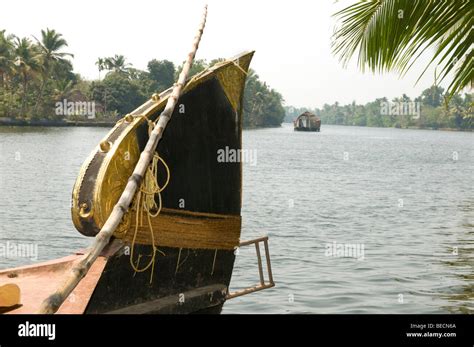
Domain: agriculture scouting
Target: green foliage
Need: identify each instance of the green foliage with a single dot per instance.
(117, 93)
(31, 73)
(392, 34)
(432, 109)
(162, 73)
(6, 56)
(35, 75)
(432, 96)
(263, 106)
(117, 64)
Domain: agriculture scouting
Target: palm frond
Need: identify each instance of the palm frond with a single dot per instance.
(392, 34)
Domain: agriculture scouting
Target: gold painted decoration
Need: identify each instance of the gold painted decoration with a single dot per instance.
(105, 173)
(185, 229)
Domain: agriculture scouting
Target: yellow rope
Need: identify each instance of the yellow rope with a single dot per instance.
(145, 201)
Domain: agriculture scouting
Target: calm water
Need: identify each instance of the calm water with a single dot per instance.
(406, 196)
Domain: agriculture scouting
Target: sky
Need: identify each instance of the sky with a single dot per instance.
(292, 40)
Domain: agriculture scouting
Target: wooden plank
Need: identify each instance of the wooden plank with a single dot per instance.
(37, 281)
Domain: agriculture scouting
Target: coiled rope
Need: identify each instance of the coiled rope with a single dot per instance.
(145, 202)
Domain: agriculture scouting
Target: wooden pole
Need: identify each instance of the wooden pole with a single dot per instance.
(54, 301)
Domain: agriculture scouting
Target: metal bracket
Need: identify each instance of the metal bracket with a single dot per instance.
(262, 285)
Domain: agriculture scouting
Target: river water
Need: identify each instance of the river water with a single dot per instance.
(401, 200)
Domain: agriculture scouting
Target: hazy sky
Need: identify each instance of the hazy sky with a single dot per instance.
(291, 39)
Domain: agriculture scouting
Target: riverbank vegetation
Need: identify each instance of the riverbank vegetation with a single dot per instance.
(391, 35)
(36, 73)
(432, 109)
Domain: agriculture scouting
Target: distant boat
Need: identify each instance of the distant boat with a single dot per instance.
(307, 122)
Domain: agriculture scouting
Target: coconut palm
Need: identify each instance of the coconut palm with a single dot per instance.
(392, 34)
(117, 63)
(100, 65)
(6, 68)
(6, 56)
(50, 47)
(28, 65)
(63, 88)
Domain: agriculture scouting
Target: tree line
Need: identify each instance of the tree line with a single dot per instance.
(37, 73)
(432, 109)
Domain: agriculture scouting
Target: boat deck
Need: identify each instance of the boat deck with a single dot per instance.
(37, 282)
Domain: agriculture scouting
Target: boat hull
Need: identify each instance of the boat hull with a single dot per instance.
(199, 226)
(177, 275)
(307, 129)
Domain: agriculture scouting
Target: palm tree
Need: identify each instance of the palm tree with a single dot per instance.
(63, 88)
(100, 65)
(117, 63)
(27, 65)
(50, 45)
(6, 56)
(6, 68)
(392, 34)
